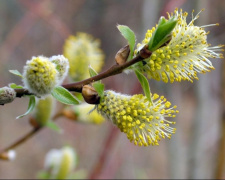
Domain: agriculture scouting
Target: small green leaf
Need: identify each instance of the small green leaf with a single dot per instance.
(53, 126)
(64, 96)
(78, 174)
(162, 33)
(16, 72)
(43, 175)
(99, 87)
(14, 86)
(129, 35)
(144, 83)
(92, 72)
(30, 107)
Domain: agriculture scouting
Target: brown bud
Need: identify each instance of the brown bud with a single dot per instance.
(90, 95)
(33, 122)
(8, 155)
(122, 55)
(70, 114)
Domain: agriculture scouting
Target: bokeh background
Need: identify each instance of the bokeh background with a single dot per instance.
(31, 27)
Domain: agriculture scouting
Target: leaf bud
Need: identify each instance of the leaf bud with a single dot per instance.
(7, 95)
(122, 55)
(90, 95)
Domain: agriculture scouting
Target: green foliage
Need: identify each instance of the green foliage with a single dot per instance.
(15, 86)
(162, 33)
(43, 175)
(144, 84)
(64, 96)
(92, 72)
(16, 72)
(99, 87)
(129, 35)
(30, 107)
(53, 126)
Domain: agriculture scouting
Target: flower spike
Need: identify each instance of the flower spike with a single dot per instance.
(144, 123)
(83, 50)
(40, 76)
(186, 54)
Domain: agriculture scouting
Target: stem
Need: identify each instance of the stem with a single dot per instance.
(24, 138)
(113, 70)
(221, 153)
(104, 154)
(19, 141)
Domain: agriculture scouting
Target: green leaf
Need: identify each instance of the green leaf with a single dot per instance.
(162, 33)
(16, 72)
(78, 174)
(92, 72)
(53, 126)
(129, 35)
(30, 107)
(99, 87)
(144, 83)
(43, 175)
(64, 96)
(14, 86)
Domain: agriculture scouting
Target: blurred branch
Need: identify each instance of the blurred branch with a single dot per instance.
(13, 39)
(221, 152)
(24, 25)
(106, 149)
(47, 15)
(221, 146)
(19, 141)
(23, 139)
(206, 120)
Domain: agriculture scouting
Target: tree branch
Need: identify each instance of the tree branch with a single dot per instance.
(113, 70)
(23, 139)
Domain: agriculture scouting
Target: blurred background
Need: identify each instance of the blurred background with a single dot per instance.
(31, 27)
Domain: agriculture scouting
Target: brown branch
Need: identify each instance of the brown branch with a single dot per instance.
(19, 142)
(221, 153)
(23, 139)
(104, 154)
(113, 70)
(49, 16)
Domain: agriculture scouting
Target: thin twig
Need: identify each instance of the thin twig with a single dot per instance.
(221, 152)
(219, 171)
(113, 70)
(50, 18)
(19, 141)
(104, 154)
(23, 139)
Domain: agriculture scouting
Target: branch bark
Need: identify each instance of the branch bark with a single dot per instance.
(113, 70)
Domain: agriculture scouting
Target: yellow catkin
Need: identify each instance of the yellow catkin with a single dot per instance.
(143, 122)
(83, 50)
(186, 55)
(40, 76)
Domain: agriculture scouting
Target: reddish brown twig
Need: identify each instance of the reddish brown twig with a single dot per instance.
(23, 139)
(104, 154)
(47, 15)
(13, 39)
(113, 70)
